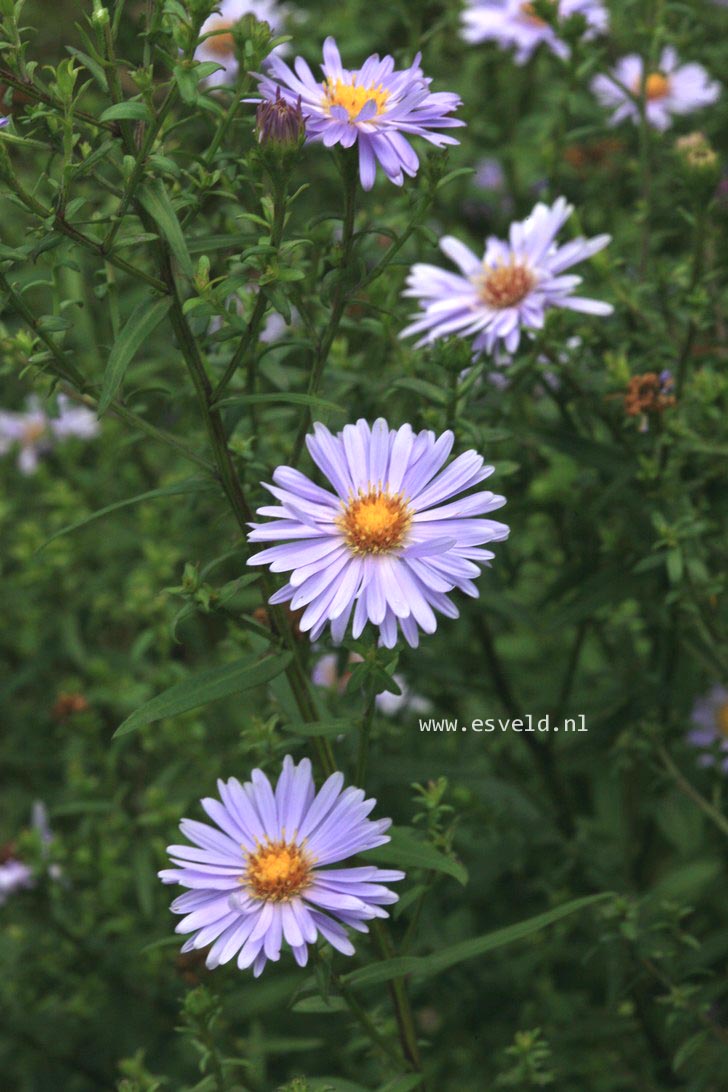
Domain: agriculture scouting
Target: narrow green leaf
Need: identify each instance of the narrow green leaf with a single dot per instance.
(143, 320)
(189, 485)
(206, 687)
(427, 966)
(284, 398)
(156, 201)
(406, 1083)
(408, 850)
(126, 111)
(326, 728)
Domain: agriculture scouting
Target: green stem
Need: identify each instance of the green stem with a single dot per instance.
(689, 790)
(365, 732)
(250, 337)
(366, 1021)
(138, 171)
(341, 296)
(400, 1002)
(697, 270)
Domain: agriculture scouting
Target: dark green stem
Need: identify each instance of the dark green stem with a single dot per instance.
(341, 296)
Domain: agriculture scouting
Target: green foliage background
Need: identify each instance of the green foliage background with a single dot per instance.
(609, 599)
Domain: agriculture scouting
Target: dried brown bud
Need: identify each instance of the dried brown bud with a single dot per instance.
(67, 705)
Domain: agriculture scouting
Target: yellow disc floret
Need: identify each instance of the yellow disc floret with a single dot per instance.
(354, 97)
(504, 285)
(656, 86)
(375, 522)
(222, 44)
(33, 432)
(278, 871)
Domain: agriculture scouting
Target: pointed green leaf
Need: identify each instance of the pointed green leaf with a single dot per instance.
(407, 850)
(156, 202)
(143, 320)
(206, 687)
(189, 485)
(427, 966)
(126, 111)
(324, 728)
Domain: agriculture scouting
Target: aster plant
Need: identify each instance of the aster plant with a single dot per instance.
(510, 289)
(390, 539)
(376, 107)
(259, 877)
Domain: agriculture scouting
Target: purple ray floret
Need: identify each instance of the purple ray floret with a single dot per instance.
(260, 876)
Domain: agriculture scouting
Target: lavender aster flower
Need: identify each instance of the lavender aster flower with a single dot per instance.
(672, 89)
(710, 717)
(261, 878)
(384, 545)
(510, 288)
(14, 876)
(220, 47)
(375, 106)
(514, 24)
(35, 432)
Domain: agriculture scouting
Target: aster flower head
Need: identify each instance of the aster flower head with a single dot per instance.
(259, 877)
(514, 24)
(376, 107)
(391, 538)
(710, 717)
(671, 90)
(220, 46)
(34, 433)
(511, 288)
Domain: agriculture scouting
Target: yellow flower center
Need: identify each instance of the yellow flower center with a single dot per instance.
(375, 522)
(529, 15)
(33, 432)
(721, 719)
(354, 97)
(504, 286)
(221, 44)
(278, 871)
(656, 86)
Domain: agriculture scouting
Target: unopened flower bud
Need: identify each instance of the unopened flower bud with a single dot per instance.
(280, 123)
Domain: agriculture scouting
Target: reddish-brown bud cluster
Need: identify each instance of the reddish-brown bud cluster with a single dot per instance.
(67, 705)
(649, 393)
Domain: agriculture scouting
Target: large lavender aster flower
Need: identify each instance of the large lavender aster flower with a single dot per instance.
(510, 288)
(514, 24)
(34, 433)
(672, 89)
(383, 545)
(710, 717)
(220, 46)
(261, 878)
(376, 106)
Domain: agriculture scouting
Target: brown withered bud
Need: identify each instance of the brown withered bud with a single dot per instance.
(67, 705)
(649, 393)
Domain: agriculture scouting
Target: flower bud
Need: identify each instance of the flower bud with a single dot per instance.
(699, 160)
(279, 123)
